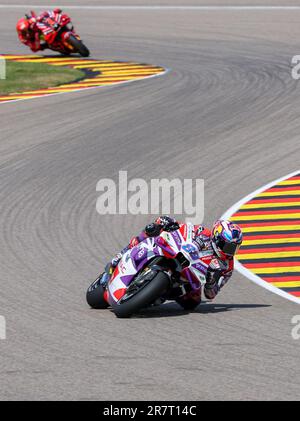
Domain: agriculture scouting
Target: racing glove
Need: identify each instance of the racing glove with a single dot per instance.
(167, 223)
(163, 223)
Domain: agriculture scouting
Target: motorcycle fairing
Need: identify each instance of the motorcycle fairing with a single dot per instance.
(167, 244)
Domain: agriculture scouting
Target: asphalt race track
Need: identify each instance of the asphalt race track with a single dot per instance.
(228, 112)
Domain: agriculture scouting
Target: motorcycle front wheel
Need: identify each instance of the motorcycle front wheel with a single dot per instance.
(147, 295)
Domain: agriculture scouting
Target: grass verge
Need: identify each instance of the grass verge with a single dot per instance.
(22, 77)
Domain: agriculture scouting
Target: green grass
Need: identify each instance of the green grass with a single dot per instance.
(22, 77)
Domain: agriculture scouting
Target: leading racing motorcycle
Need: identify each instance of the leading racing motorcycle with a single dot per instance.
(157, 269)
(63, 39)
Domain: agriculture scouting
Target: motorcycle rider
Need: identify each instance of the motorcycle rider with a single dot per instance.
(223, 241)
(31, 27)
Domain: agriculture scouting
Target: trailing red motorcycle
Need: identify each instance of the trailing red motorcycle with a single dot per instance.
(56, 30)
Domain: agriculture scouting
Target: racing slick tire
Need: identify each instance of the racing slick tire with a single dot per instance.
(79, 47)
(144, 297)
(95, 295)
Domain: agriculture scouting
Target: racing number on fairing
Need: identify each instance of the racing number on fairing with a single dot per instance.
(191, 250)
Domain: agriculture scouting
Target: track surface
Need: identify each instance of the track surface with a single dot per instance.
(228, 112)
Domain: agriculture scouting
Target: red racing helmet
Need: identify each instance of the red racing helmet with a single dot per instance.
(23, 27)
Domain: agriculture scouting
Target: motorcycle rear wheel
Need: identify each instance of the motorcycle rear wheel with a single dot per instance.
(143, 298)
(79, 46)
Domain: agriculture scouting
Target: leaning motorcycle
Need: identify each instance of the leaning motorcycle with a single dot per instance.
(64, 39)
(157, 269)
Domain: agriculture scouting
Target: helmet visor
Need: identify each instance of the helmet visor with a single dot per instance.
(228, 248)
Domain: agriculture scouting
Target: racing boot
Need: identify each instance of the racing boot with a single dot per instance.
(109, 269)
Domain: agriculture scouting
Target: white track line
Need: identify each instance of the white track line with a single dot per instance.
(242, 269)
(155, 7)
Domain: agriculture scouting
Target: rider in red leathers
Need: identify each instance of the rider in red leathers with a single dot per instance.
(222, 242)
(31, 28)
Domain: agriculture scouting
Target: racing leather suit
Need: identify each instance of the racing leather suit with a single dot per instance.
(32, 39)
(39, 27)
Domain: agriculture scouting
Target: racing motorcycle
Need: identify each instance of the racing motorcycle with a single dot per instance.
(157, 269)
(64, 39)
